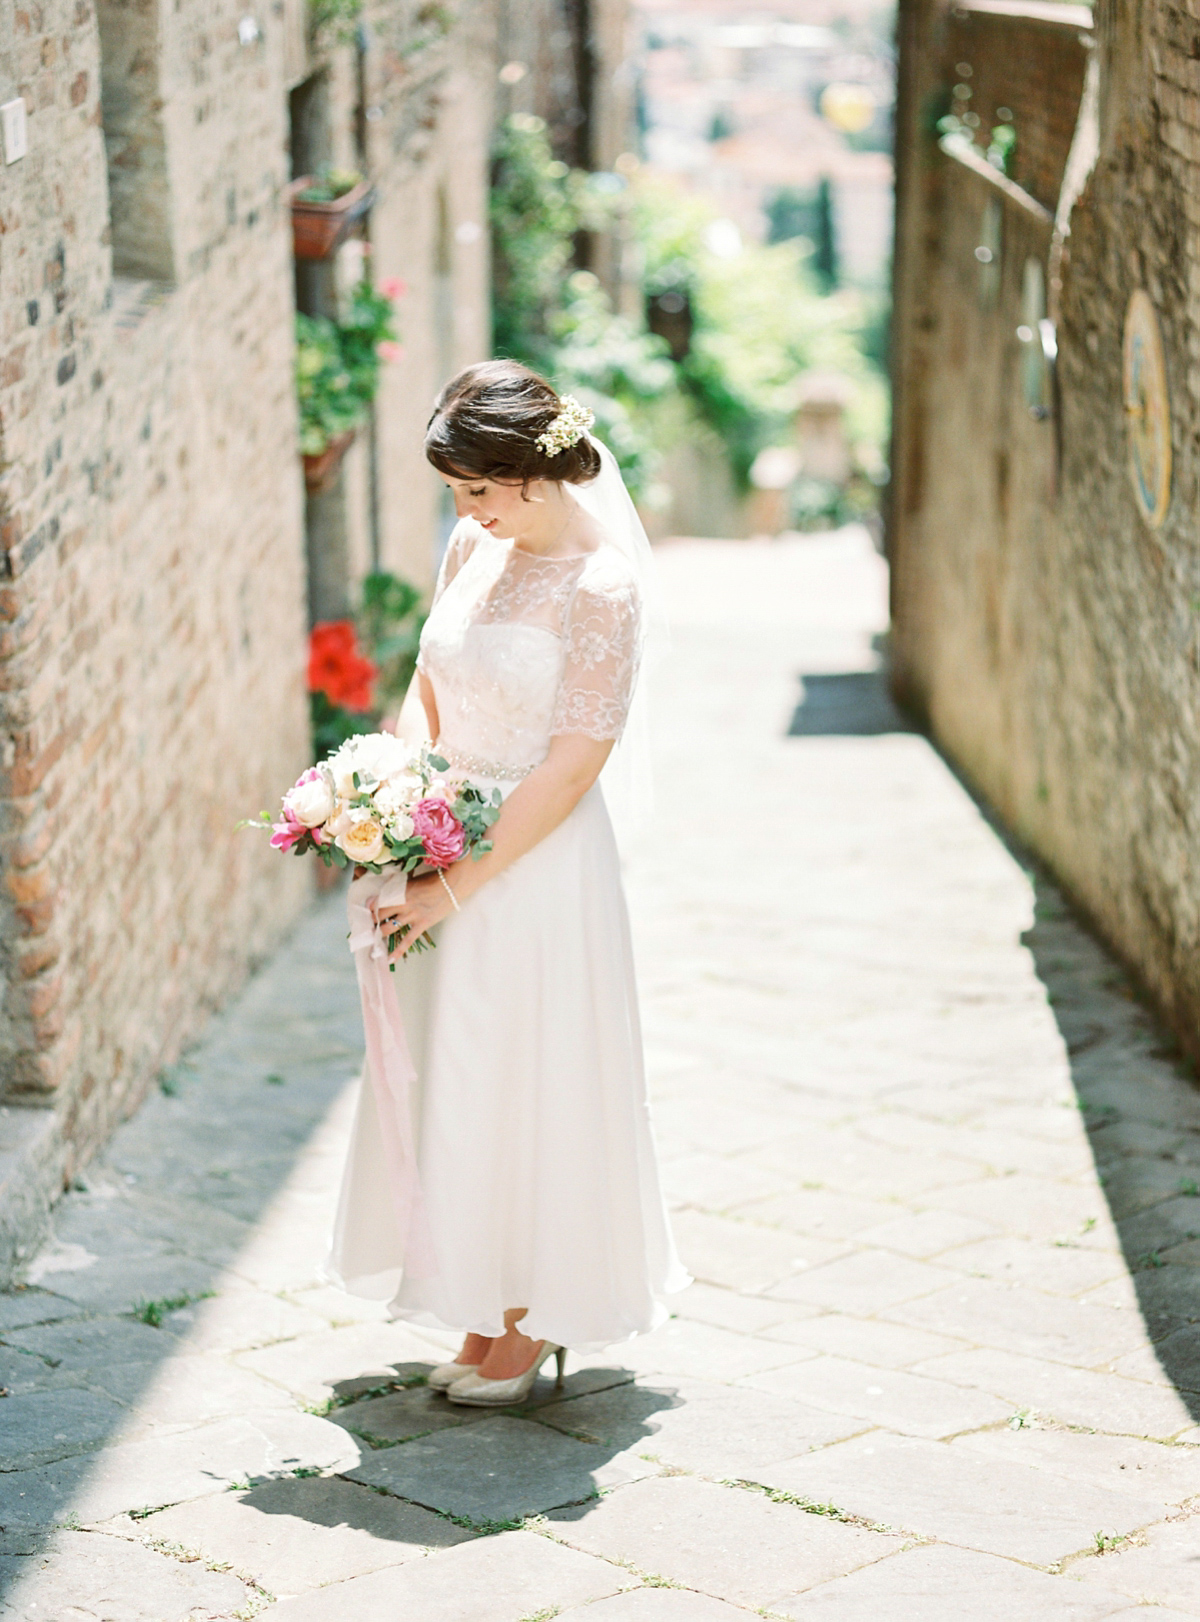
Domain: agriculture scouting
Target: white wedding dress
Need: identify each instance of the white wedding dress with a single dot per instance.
(536, 1158)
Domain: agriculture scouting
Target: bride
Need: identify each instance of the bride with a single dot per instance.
(534, 1151)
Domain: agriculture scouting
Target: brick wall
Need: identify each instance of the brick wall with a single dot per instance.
(153, 614)
(151, 655)
(1053, 638)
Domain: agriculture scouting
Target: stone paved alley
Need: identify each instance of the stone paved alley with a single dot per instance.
(934, 1168)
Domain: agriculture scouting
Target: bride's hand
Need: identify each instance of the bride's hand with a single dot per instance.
(425, 904)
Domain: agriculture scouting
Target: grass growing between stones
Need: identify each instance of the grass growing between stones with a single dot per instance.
(259, 1597)
(810, 1506)
(153, 1312)
(1106, 1542)
(389, 1388)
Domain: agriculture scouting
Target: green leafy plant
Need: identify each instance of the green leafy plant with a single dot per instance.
(329, 184)
(390, 622)
(1106, 1542)
(431, 22)
(334, 21)
(760, 322)
(561, 322)
(153, 1312)
(337, 365)
(533, 220)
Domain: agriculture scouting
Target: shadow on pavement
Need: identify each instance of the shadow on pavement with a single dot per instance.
(848, 704)
(147, 1366)
(168, 1215)
(1137, 1092)
(1141, 1107)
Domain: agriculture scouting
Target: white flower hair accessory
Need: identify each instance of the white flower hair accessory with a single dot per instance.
(568, 428)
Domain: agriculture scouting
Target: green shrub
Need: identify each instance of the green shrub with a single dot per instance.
(337, 366)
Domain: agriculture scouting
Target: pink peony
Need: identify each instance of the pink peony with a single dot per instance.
(394, 287)
(287, 833)
(440, 832)
(388, 350)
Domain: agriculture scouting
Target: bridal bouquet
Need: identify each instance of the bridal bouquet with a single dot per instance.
(382, 804)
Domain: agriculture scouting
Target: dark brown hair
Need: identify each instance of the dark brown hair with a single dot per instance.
(486, 423)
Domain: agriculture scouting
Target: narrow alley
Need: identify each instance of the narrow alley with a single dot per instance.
(934, 1167)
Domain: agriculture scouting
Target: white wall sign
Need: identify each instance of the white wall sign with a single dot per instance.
(12, 126)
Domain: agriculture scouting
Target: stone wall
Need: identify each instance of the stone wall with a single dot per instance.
(1050, 635)
(153, 615)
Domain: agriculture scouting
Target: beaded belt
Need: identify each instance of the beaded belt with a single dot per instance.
(473, 765)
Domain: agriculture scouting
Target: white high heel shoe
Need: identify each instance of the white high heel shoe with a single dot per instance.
(444, 1376)
(477, 1392)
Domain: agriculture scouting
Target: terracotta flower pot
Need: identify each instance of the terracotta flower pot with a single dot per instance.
(318, 228)
(321, 470)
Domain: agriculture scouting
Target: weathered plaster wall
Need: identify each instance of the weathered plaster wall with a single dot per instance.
(1050, 636)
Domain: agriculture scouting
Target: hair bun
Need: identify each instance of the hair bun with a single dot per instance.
(499, 420)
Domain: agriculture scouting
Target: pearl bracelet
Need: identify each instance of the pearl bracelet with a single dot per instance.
(448, 890)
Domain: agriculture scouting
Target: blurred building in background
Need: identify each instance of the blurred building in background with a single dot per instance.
(162, 550)
(782, 114)
(1046, 577)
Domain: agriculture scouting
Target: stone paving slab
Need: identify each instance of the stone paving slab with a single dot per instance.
(715, 1430)
(885, 1114)
(501, 1469)
(1025, 1322)
(946, 1584)
(24, 1306)
(1116, 1463)
(731, 1544)
(313, 1367)
(1070, 1395)
(911, 1404)
(886, 1345)
(657, 1605)
(241, 1320)
(85, 1575)
(149, 1473)
(48, 1425)
(498, 1579)
(997, 1506)
(296, 1534)
(1161, 1568)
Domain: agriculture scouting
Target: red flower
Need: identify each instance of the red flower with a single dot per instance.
(336, 667)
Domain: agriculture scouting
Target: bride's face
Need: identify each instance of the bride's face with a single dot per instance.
(501, 509)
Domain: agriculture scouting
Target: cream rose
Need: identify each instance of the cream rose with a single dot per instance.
(362, 840)
(340, 820)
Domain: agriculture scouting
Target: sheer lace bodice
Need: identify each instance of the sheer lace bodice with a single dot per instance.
(520, 648)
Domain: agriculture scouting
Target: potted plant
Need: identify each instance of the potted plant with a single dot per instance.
(325, 209)
(337, 376)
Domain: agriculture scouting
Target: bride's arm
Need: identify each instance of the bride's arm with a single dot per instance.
(535, 808)
(416, 721)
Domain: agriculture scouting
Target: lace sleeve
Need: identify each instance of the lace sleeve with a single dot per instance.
(458, 549)
(603, 646)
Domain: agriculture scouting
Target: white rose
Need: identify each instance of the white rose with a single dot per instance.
(439, 789)
(400, 826)
(310, 803)
(393, 797)
(362, 841)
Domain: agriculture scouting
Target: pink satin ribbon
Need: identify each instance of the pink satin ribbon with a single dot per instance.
(389, 1063)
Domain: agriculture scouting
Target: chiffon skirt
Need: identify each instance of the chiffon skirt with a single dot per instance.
(536, 1155)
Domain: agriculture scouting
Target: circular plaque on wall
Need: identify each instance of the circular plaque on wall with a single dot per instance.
(1147, 409)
